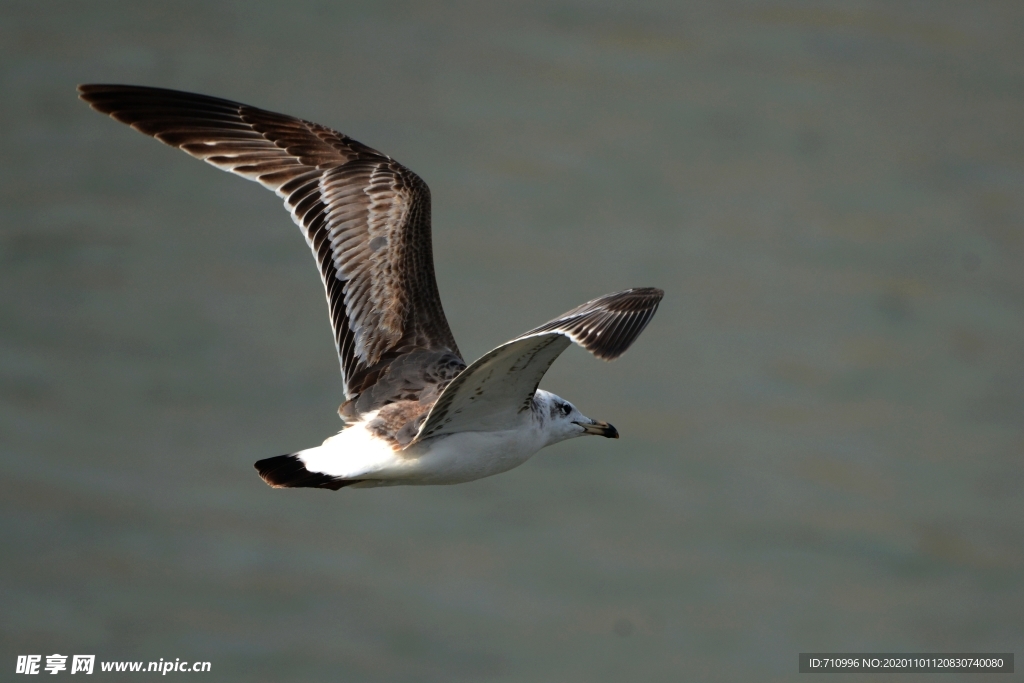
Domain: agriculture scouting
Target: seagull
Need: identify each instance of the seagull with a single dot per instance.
(414, 413)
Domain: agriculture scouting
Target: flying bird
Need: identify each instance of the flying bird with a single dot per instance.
(414, 413)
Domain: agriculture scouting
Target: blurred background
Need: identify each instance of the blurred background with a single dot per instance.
(822, 428)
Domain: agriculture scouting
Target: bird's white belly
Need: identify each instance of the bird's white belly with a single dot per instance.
(355, 453)
(467, 456)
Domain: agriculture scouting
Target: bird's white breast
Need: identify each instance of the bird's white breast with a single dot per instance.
(357, 453)
(467, 456)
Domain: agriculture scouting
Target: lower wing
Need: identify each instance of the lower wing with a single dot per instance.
(491, 393)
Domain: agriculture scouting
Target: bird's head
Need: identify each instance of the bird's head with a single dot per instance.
(561, 420)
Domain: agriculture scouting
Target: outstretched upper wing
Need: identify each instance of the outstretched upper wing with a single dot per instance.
(490, 393)
(365, 216)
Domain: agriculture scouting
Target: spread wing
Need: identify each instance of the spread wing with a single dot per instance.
(491, 393)
(365, 216)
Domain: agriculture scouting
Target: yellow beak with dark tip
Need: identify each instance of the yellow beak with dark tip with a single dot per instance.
(600, 429)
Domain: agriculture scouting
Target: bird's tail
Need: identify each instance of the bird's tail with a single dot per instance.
(289, 471)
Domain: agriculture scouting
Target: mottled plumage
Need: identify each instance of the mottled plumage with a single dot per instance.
(416, 414)
(365, 216)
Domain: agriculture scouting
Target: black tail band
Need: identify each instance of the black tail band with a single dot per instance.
(287, 471)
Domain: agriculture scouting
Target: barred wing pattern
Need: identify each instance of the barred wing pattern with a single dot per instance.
(365, 216)
(491, 393)
(607, 325)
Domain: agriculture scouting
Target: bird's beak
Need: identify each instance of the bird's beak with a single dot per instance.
(600, 429)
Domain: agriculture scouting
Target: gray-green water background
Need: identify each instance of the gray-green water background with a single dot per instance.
(822, 429)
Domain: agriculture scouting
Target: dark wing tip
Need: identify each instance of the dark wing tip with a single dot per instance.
(617, 320)
(637, 298)
(86, 90)
(149, 102)
(608, 325)
(91, 92)
(98, 95)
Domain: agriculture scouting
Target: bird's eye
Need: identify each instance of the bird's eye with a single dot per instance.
(566, 409)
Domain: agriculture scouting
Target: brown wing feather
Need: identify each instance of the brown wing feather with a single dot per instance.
(365, 216)
(606, 326)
